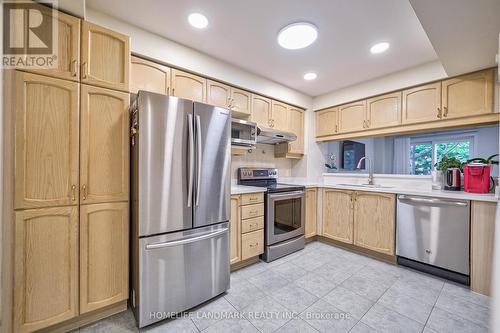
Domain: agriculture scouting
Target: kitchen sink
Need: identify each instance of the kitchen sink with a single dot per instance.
(367, 185)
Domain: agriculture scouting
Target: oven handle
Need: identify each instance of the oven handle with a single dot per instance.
(286, 194)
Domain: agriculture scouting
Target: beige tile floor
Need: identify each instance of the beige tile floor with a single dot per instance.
(326, 289)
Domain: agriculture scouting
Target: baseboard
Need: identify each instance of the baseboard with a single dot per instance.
(244, 263)
(360, 250)
(87, 318)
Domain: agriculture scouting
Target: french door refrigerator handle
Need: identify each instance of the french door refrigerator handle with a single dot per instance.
(185, 241)
(191, 159)
(198, 180)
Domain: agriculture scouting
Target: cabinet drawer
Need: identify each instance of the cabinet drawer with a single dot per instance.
(252, 244)
(252, 211)
(252, 224)
(252, 198)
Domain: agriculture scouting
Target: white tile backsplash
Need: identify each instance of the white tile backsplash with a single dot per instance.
(263, 157)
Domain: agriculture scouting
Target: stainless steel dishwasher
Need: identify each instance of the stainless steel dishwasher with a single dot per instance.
(432, 235)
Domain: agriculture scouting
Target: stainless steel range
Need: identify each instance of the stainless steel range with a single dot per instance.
(284, 212)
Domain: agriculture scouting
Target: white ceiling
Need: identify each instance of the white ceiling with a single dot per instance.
(243, 33)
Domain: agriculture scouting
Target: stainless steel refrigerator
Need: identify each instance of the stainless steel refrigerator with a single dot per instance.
(180, 204)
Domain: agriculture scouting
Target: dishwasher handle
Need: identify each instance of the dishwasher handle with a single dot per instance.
(404, 197)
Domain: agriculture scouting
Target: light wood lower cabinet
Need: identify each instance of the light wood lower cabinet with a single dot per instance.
(104, 148)
(311, 201)
(235, 230)
(482, 245)
(338, 215)
(364, 219)
(374, 221)
(46, 141)
(104, 242)
(247, 226)
(46, 267)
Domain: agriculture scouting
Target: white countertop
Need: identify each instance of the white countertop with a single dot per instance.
(393, 189)
(242, 189)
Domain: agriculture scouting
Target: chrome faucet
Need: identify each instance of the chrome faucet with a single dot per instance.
(370, 168)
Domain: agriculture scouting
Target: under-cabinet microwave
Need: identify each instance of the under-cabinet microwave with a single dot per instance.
(243, 132)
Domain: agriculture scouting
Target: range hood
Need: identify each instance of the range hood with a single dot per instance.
(273, 136)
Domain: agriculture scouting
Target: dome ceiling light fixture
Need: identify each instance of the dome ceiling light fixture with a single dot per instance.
(380, 47)
(310, 76)
(297, 35)
(197, 20)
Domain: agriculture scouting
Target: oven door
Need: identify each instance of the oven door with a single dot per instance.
(285, 216)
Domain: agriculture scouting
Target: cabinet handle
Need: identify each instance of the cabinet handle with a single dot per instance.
(73, 192)
(254, 244)
(368, 123)
(168, 90)
(84, 70)
(84, 190)
(73, 68)
(364, 123)
(173, 91)
(229, 102)
(445, 111)
(439, 113)
(336, 128)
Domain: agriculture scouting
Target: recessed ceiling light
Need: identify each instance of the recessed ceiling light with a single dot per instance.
(310, 76)
(198, 20)
(379, 47)
(297, 35)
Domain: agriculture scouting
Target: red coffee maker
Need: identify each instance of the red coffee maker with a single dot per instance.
(477, 177)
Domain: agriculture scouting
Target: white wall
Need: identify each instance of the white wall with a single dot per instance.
(156, 47)
(263, 157)
(406, 78)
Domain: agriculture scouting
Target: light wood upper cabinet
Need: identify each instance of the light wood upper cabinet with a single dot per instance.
(482, 245)
(104, 238)
(422, 104)
(311, 195)
(46, 267)
(104, 148)
(383, 111)
(351, 117)
(235, 230)
(149, 76)
(46, 141)
(374, 221)
(68, 46)
(105, 57)
(468, 95)
(296, 126)
(218, 94)
(326, 122)
(338, 215)
(189, 86)
(241, 102)
(279, 116)
(261, 110)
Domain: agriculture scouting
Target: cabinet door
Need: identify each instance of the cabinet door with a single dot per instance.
(68, 46)
(241, 101)
(310, 212)
(374, 221)
(352, 117)
(218, 94)
(46, 267)
(104, 149)
(422, 104)
(149, 76)
(189, 86)
(235, 229)
(296, 126)
(46, 141)
(383, 111)
(279, 116)
(338, 215)
(104, 237)
(105, 57)
(261, 110)
(468, 95)
(326, 122)
(482, 245)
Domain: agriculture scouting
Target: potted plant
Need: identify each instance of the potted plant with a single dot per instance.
(440, 168)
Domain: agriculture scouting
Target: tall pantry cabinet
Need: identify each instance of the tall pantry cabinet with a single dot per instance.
(70, 178)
